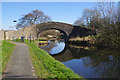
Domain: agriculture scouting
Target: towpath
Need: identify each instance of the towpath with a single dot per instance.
(19, 65)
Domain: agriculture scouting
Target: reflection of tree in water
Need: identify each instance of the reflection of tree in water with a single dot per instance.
(104, 61)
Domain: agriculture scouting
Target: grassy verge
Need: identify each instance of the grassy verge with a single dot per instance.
(46, 66)
(0, 59)
(7, 49)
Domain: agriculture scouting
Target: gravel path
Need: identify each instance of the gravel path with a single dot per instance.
(19, 65)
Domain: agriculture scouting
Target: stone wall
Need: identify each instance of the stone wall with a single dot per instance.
(16, 34)
(26, 32)
(2, 34)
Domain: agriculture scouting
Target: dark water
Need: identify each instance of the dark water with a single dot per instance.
(88, 62)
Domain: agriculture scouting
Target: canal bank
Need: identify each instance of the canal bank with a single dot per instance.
(86, 61)
(47, 67)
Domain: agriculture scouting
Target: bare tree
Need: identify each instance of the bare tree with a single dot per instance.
(87, 16)
(79, 22)
(109, 11)
(90, 18)
(34, 17)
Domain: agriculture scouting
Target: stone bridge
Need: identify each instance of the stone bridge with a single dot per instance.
(62, 27)
(33, 31)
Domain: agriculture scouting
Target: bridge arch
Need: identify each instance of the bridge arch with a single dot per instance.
(64, 28)
(61, 31)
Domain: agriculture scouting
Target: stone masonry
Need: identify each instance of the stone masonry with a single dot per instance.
(34, 30)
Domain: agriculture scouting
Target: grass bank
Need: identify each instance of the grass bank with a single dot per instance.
(7, 49)
(0, 58)
(47, 67)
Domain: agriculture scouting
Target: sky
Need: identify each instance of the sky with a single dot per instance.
(59, 0)
(66, 12)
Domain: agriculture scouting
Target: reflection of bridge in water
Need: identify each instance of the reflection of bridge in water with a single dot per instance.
(71, 52)
(49, 46)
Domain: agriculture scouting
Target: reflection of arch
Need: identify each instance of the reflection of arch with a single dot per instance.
(65, 33)
(65, 55)
(48, 47)
(63, 51)
(77, 53)
(70, 53)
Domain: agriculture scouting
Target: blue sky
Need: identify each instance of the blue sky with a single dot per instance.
(66, 12)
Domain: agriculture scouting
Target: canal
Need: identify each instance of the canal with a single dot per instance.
(89, 62)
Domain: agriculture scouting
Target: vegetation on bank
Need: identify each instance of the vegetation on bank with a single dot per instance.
(37, 42)
(46, 66)
(107, 39)
(7, 49)
(25, 40)
(80, 38)
(104, 19)
(0, 58)
(83, 41)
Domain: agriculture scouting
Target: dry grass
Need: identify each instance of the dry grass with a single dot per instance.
(80, 39)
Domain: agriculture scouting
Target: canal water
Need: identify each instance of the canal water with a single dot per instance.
(89, 62)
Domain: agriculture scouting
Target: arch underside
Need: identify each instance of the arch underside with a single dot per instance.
(63, 27)
(61, 31)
